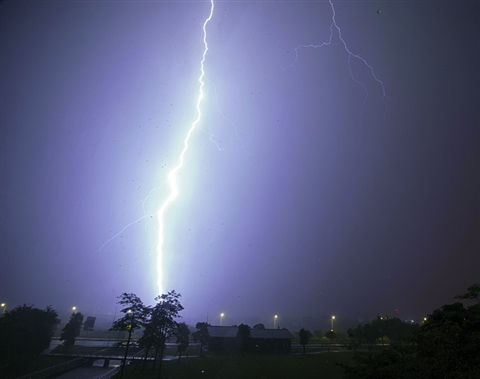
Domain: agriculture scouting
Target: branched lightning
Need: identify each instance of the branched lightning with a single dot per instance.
(171, 179)
(226, 118)
(172, 176)
(351, 55)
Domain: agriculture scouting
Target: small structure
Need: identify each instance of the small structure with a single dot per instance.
(224, 338)
(272, 340)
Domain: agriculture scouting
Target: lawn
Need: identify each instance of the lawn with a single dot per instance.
(24, 366)
(251, 366)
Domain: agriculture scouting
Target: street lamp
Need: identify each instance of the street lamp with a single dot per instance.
(333, 318)
(130, 329)
(74, 309)
(4, 307)
(221, 318)
(275, 321)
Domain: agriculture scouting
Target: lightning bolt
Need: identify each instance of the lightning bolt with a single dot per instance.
(171, 179)
(351, 55)
(172, 176)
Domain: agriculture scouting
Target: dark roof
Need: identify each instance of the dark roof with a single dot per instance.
(223, 331)
(271, 333)
(231, 332)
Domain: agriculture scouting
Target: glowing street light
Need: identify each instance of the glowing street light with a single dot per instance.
(4, 307)
(221, 318)
(333, 318)
(275, 322)
(74, 309)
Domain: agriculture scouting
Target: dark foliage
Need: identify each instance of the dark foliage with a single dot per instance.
(182, 333)
(446, 346)
(304, 336)
(160, 324)
(473, 293)
(201, 335)
(72, 329)
(393, 329)
(135, 313)
(449, 342)
(25, 332)
(135, 316)
(89, 324)
(330, 334)
(243, 334)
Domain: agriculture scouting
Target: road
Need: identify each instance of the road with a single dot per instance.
(85, 373)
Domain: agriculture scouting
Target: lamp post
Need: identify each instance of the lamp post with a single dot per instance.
(275, 322)
(333, 318)
(130, 327)
(74, 309)
(221, 318)
(4, 307)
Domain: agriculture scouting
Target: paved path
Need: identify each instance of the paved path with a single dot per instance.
(85, 373)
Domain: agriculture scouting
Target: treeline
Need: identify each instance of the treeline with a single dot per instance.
(25, 331)
(384, 329)
(447, 345)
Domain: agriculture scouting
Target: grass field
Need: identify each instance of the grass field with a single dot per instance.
(24, 367)
(324, 365)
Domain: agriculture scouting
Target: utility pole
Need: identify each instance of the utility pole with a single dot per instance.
(128, 344)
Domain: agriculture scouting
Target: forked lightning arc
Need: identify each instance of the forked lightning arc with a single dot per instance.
(172, 175)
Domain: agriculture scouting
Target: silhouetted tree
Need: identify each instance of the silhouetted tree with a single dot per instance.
(182, 334)
(396, 330)
(201, 335)
(448, 342)
(330, 334)
(72, 329)
(25, 332)
(161, 323)
(89, 324)
(135, 316)
(473, 293)
(132, 305)
(259, 326)
(243, 334)
(304, 336)
(446, 346)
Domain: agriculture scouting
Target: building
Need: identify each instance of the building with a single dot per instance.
(224, 338)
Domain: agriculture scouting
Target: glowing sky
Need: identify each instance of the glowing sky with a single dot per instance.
(297, 196)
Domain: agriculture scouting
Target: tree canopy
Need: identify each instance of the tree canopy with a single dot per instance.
(182, 333)
(201, 335)
(72, 329)
(26, 332)
(161, 323)
(135, 313)
(243, 334)
(304, 336)
(396, 330)
(473, 293)
(445, 346)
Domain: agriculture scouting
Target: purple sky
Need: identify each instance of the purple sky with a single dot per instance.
(309, 199)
